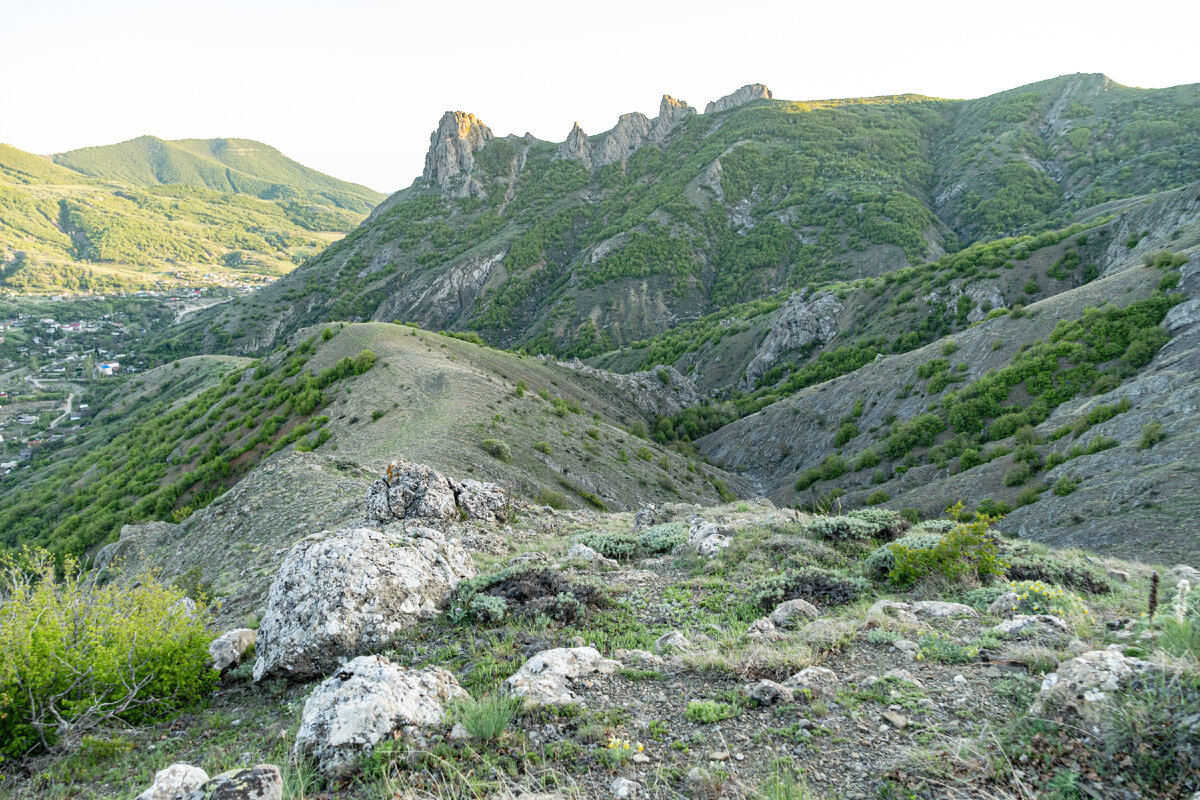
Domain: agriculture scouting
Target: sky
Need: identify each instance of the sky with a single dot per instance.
(354, 88)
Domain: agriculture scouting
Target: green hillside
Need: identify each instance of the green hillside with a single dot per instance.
(745, 205)
(148, 214)
(238, 166)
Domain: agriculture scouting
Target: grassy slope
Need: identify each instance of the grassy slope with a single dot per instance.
(429, 398)
(152, 213)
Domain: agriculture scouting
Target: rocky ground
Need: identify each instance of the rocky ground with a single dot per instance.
(736, 651)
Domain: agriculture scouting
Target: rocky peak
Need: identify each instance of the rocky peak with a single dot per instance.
(631, 132)
(451, 153)
(671, 112)
(747, 94)
(576, 146)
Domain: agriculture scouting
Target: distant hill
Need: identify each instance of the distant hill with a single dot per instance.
(237, 166)
(152, 214)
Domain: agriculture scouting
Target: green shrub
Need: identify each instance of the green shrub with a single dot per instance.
(706, 712)
(1028, 561)
(554, 499)
(1064, 486)
(1018, 474)
(808, 583)
(1036, 597)
(840, 529)
(847, 432)
(967, 551)
(1152, 434)
(883, 558)
(969, 458)
(542, 447)
(886, 524)
(662, 538)
(92, 655)
(878, 496)
(488, 718)
(497, 449)
(618, 545)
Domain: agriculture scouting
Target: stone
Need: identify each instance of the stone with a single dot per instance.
(713, 545)
(819, 681)
(623, 787)
(640, 658)
(1119, 575)
(896, 720)
(408, 490)
(900, 675)
(937, 609)
(174, 782)
(1081, 685)
(801, 323)
(768, 692)
(747, 94)
(671, 112)
(1184, 572)
(451, 155)
(263, 782)
(1005, 605)
(369, 700)
(891, 608)
(763, 629)
(340, 593)
(645, 517)
(793, 613)
(582, 552)
(671, 640)
(228, 648)
(486, 502)
(1026, 624)
(546, 678)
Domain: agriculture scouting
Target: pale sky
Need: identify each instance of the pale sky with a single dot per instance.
(354, 88)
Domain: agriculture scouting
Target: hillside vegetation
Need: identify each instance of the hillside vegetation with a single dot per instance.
(148, 214)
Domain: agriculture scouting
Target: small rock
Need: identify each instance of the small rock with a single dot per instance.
(1119, 575)
(903, 675)
(895, 610)
(906, 646)
(639, 658)
(174, 783)
(227, 649)
(263, 782)
(623, 787)
(769, 692)
(1081, 685)
(897, 721)
(1032, 624)
(791, 613)
(1005, 605)
(671, 640)
(937, 609)
(819, 681)
(718, 755)
(459, 731)
(959, 680)
(582, 552)
(546, 677)
(763, 629)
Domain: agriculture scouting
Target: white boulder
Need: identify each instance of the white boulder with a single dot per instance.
(341, 593)
(545, 679)
(793, 613)
(228, 648)
(366, 701)
(174, 783)
(1082, 684)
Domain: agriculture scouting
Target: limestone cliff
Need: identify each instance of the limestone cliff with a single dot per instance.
(632, 131)
(451, 153)
(747, 94)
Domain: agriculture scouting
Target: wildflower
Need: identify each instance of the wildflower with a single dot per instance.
(1181, 600)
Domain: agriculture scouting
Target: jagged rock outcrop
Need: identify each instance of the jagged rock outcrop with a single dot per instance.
(747, 94)
(647, 389)
(633, 130)
(451, 153)
(801, 323)
(671, 112)
(340, 593)
(366, 701)
(576, 146)
(546, 678)
(407, 491)
(227, 650)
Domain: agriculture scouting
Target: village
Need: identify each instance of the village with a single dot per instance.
(54, 358)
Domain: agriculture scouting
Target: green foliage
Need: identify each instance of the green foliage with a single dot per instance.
(878, 496)
(967, 551)
(89, 655)
(487, 718)
(1152, 434)
(847, 432)
(841, 529)
(497, 449)
(707, 712)
(1065, 486)
(809, 583)
(883, 558)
